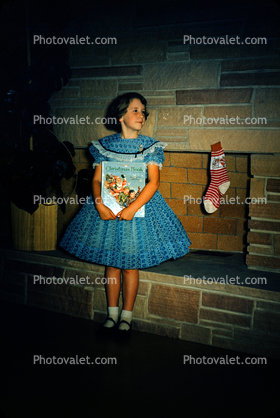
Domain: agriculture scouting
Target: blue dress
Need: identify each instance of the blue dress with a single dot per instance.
(136, 244)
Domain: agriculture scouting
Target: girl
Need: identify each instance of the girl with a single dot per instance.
(122, 242)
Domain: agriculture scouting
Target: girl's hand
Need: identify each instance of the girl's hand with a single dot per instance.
(126, 214)
(104, 212)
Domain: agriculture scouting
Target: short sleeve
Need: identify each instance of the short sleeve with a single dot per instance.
(156, 156)
(98, 157)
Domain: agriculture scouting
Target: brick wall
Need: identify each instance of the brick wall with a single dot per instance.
(187, 175)
(264, 223)
(183, 81)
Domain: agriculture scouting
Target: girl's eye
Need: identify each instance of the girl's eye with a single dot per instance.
(142, 111)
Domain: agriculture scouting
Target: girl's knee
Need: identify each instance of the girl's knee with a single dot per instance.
(130, 272)
(112, 268)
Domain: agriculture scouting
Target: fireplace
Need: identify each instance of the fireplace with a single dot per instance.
(248, 218)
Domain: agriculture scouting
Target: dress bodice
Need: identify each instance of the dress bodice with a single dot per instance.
(140, 149)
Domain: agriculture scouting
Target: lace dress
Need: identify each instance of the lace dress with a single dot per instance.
(139, 243)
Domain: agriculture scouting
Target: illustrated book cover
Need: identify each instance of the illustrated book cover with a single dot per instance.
(121, 184)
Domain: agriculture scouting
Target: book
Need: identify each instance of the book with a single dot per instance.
(121, 184)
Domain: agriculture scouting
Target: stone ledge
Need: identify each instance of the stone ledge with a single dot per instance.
(223, 315)
(48, 257)
(170, 273)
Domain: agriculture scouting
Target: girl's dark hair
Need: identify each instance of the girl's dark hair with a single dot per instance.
(118, 108)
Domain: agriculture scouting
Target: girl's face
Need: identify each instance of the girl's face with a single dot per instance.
(134, 118)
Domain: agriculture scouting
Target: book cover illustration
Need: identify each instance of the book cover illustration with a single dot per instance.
(121, 184)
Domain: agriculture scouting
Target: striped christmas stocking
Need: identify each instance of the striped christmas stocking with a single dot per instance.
(219, 179)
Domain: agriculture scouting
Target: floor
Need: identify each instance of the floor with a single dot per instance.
(149, 378)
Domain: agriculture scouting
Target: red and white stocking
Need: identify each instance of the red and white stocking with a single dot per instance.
(219, 179)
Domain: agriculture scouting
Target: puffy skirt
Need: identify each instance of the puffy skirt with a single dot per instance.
(136, 244)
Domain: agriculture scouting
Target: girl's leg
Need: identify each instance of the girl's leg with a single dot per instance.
(130, 287)
(113, 287)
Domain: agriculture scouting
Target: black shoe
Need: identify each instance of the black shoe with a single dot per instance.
(109, 319)
(105, 331)
(123, 334)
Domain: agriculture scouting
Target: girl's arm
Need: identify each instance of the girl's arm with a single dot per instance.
(146, 194)
(104, 212)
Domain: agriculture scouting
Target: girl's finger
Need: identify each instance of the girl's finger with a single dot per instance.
(118, 215)
(113, 215)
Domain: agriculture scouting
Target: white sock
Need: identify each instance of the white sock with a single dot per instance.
(125, 316)
(113, 312)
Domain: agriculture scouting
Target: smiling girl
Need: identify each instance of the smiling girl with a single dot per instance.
(124, 243)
